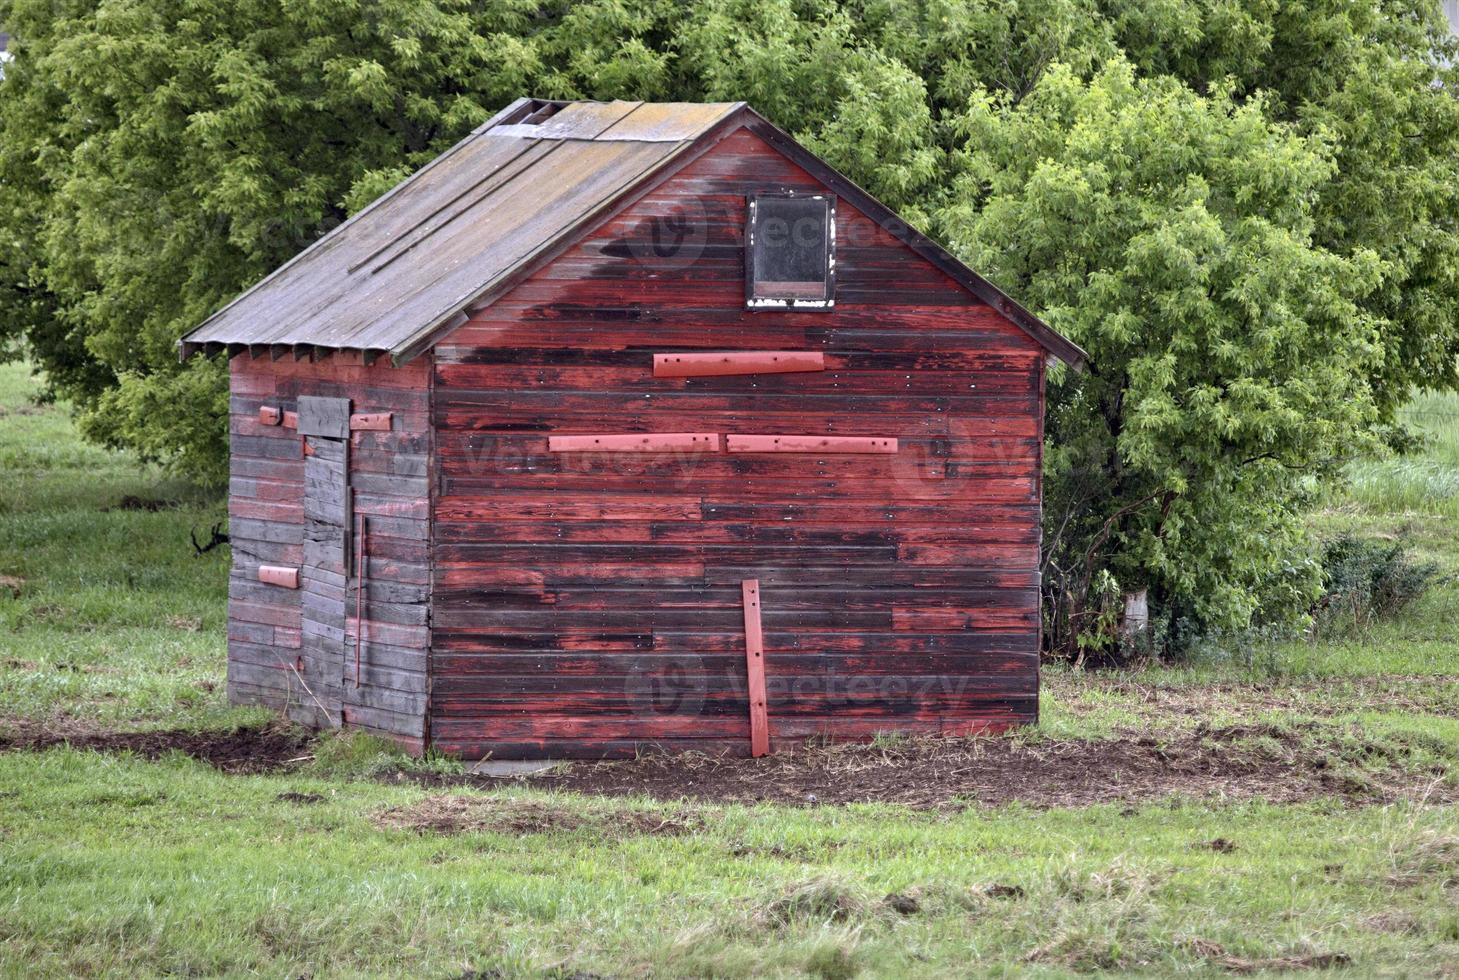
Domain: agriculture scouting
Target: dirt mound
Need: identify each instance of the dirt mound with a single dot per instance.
(1236, 763)
(462, 814)
(245, 750)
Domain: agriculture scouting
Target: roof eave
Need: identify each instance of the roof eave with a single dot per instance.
(187, 348)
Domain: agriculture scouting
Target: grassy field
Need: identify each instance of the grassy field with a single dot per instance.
(114, 865)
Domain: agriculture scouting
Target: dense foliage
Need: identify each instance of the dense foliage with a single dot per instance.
(1366, 580)
(1245, 211)
(1231, 359)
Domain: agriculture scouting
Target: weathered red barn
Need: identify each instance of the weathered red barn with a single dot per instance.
(629, 424)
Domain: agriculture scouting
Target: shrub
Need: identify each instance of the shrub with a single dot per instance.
(1367, 580)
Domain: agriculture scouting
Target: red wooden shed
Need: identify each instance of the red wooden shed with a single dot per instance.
(629, 424)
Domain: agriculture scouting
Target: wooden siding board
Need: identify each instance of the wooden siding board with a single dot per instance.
(387, 477)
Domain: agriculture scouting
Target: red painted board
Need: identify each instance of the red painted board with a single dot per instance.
(718, 363)
(370, 422)
(291, 420)
(279, 575)
(636, 442)
(755, 666)
(270, 415)
(810, 444)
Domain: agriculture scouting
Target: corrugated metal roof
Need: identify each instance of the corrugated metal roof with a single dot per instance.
(411, 261)
(463, 228)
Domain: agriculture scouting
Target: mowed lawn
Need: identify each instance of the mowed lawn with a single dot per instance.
(342, 865)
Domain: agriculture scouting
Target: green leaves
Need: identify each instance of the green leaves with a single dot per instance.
(1172, 235)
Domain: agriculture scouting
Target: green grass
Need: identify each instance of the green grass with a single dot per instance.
(115, 866)
(117, 619)
(1426, 483)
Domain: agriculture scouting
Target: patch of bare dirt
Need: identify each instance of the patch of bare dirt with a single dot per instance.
(466, 814)
(1217, 955)
(12, 584)
(245, 750)
(1246, 762)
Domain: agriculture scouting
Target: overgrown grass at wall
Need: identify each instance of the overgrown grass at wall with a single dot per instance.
(106, 612)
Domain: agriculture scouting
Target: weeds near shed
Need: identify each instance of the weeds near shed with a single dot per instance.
(354, 754)
(1430, 859)
(820, 900)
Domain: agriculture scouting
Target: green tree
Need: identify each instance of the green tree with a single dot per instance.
(160, 155)
(1171, 235)
(1368, 78)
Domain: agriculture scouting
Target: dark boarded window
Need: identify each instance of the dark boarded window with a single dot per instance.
(790, 258)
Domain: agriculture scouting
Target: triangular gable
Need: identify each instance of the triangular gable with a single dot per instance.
(461, 232)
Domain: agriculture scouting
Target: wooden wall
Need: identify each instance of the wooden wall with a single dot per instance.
(588, 604)
(388, 474)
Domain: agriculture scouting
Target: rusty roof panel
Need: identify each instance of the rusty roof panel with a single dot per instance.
(577, 121)
(462, 261)
(667, 121)
(459, 226)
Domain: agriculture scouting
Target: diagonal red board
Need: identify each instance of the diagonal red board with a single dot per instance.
(755, 663)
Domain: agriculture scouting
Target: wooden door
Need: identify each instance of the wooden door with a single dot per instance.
(324, 423)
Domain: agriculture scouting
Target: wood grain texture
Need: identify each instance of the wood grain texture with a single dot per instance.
(276, 634)
(755, 669)
(591, 604)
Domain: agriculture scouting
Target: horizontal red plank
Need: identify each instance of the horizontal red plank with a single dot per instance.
(635, 442)
(370, 422)
(279, 575)
(810, 444)
(716, 532)
(583, 507)
(642, 724)
(586, 648)
(747, 362)
(565, 379)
